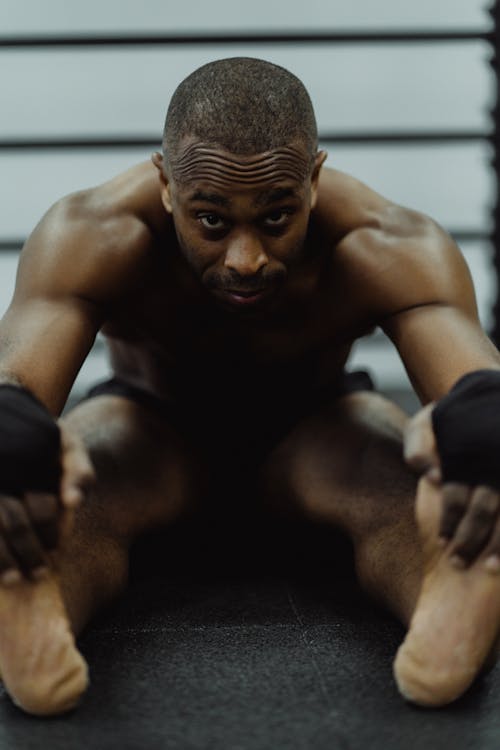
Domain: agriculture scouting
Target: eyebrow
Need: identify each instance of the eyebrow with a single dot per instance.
(275, 194)
(216, 198)
(264, 198)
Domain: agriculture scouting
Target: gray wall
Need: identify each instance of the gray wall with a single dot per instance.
(124, 91)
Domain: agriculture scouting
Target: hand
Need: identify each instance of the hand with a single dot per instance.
(470, 520)
(33, 525)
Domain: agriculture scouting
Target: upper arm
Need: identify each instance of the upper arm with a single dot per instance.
(63, 287)
(43, 343)
(429, 311)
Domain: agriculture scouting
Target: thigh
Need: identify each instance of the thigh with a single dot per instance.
(344, 465)
(147, 474)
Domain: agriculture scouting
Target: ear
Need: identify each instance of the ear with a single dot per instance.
(318, 163)
(157, 159)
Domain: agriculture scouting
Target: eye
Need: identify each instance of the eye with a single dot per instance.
(277, 218)
(211, 221)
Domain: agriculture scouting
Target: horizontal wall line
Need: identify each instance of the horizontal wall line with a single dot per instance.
(470, 235)
(149, 141)
(460, 235)
(415, 136)
(255, 37)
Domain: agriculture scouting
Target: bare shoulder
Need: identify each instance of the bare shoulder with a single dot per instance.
(398, 257)
(95, 241)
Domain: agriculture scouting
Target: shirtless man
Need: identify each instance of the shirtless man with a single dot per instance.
(230, 278)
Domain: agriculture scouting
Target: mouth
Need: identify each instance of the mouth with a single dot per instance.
(244, 297)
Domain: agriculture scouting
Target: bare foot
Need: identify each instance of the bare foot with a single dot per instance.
(456, 621)
(41, 668)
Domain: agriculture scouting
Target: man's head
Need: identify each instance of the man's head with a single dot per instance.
(244, 105)
(239, 173)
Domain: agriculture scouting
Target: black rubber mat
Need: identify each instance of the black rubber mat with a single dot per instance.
(265, 642)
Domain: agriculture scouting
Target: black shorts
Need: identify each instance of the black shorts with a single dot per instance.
(231, 447)
(236, 438)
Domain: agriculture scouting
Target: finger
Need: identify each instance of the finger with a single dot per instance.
(477, 525)
(455, 500)
(19, 535)
(9, 567)
(44, 513)
(492, 551)
(78, 473)
(420, 450)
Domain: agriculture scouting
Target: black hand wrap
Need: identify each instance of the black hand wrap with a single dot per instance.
(467, 427)
(30, 443)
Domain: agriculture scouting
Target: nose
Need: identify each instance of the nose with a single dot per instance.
(245, 254)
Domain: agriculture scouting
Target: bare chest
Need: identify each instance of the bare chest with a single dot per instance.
(171, 342)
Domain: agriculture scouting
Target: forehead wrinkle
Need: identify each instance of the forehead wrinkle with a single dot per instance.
(262, 183)
(205, 170)
(216, 160)
(197, 150)
(199, 161)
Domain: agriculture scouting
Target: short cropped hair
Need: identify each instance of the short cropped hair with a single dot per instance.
(242, 104)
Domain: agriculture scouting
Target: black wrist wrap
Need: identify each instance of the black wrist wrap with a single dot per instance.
(467, 427)
(30, 443)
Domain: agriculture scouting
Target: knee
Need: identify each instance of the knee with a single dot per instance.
(112, 430)
(134, 450)
(349, 473)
